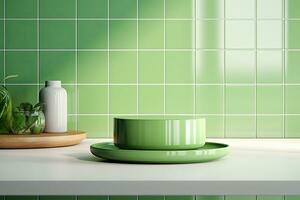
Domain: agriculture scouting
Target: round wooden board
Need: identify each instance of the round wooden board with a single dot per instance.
(43, 140)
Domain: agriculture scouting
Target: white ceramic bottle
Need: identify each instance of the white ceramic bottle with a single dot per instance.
(54, 98)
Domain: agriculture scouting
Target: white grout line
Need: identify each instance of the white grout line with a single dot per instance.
(224, 72)
(195, 55)
(108, 69)
(162, 84)
(137, 56)
(255, 55)
(133, 19)
(150, 50)
(76, 64)
(179, 114)
(99, 19)
(283, 66)
(164, 50)
(4, 42)
(38, 46)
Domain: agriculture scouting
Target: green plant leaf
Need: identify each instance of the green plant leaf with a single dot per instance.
(9, 77)
(19, 122)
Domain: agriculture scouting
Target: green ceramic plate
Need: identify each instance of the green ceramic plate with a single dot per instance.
(210, 151)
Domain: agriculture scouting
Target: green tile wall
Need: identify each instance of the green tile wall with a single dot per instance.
(235, 62)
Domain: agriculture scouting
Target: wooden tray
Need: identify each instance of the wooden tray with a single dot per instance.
(44, 140)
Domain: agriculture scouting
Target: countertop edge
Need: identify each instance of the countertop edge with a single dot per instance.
(149, 187)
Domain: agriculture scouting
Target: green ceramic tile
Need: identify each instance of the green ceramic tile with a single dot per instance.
(57, 198)
(151, 34)
(179, 8)
(179, 34)
(57, 65)
(292, 97)
(23, 93)
(292, 34)
(21, 197)
(57, 34)
(269, 66)
(57, 8)
(72, 96)
(237, 197)
(151, 99)
(1, 8)
(179, 99)
(209, 99)
(92, 67)
(120, 29)
(292, 197)
(265, 11)
(123, 197)
(95, 126)
(180, 67)
(151, 198)
(179, 198)
(292, 67)
(92, 8)
(210, 8)
(240, 99)
(92, 34)
(292, 10)
(240, 127)
(269, 34)
(153, 9)
(240, 9)
(209, 197)
(92, 99)
(269, 99)
(111, 125)
(210, 34)
(21, 34)
(2, 197)
(1, 65)
(269, 127)
(214, 126)
(2, 34)
(123, 99)
(123, 8)
(270, 197)
(21, 9)
(240, 33)
(240, 66)
(123, 67)
(72, 123)
(210, 67)
(292, 128)
(23, 63)
(151, 67)
(92, 198)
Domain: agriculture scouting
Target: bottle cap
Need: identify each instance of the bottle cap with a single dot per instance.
(53, 83)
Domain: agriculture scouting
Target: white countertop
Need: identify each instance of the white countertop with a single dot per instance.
(253, 167)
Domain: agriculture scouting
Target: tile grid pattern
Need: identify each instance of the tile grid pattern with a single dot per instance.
(256, 84)
(186, 100)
